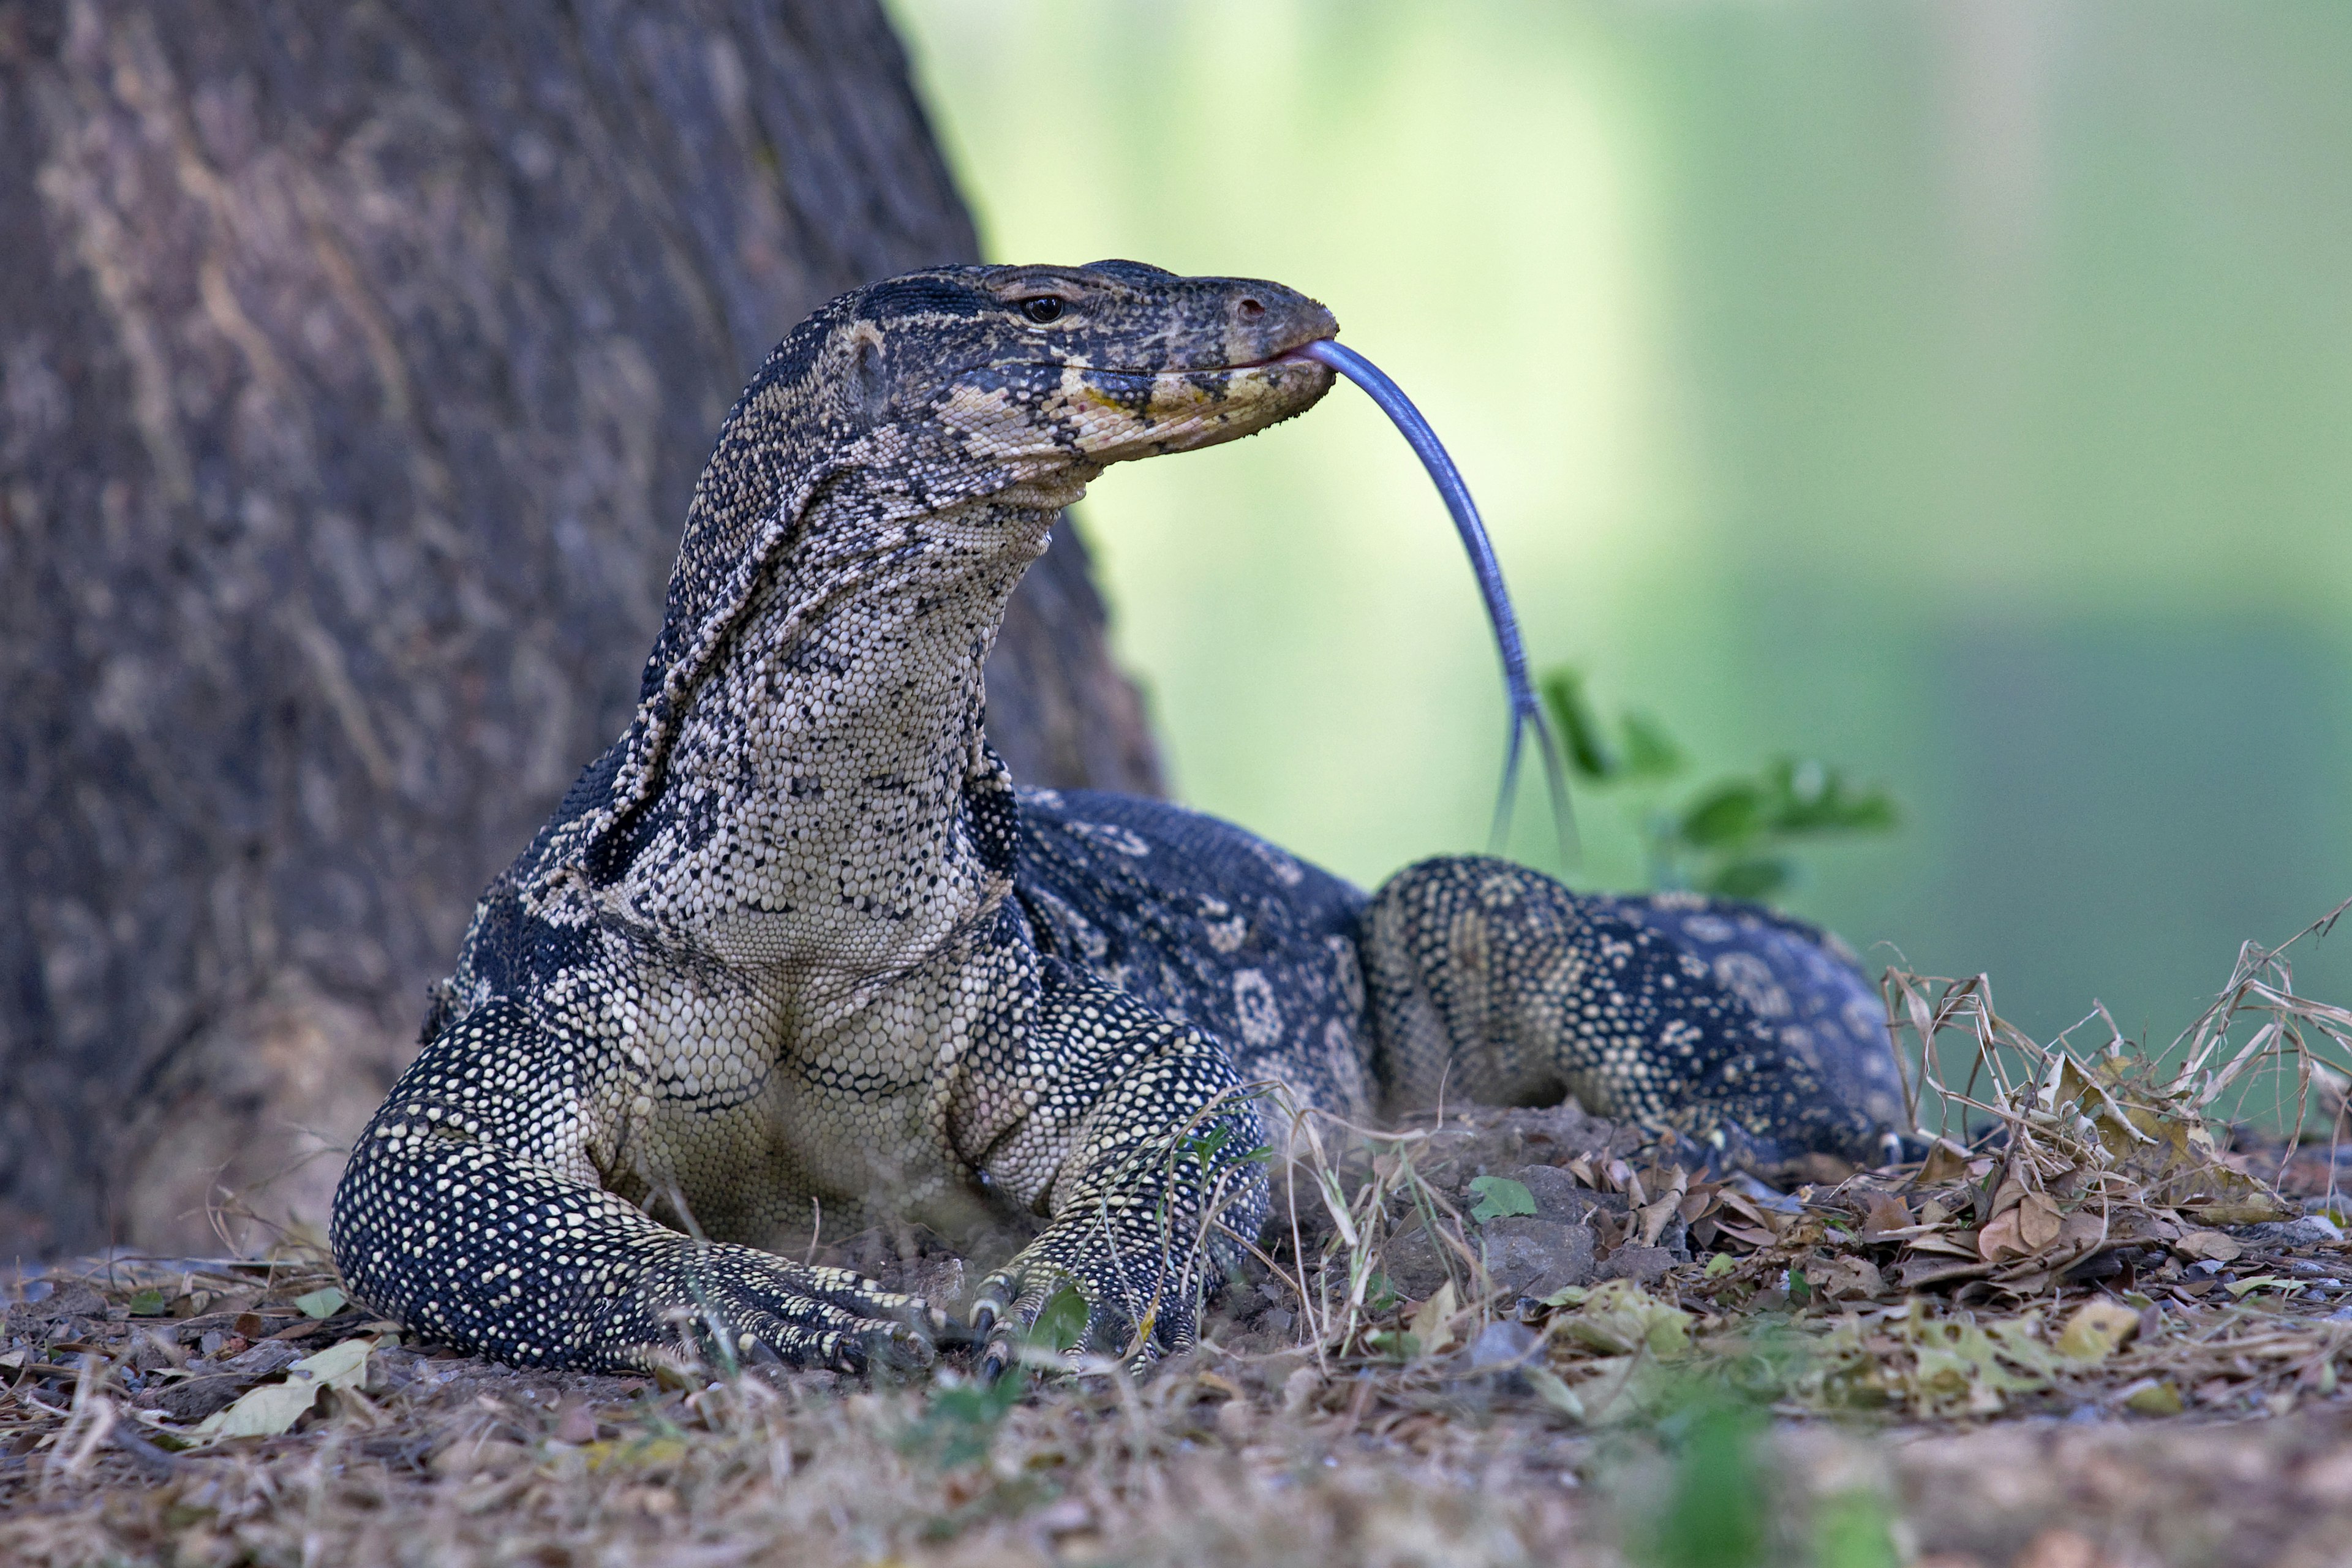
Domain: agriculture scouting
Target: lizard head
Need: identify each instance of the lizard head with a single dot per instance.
(959, 381)
(915, 395)
(935, 388)
(1086, 367)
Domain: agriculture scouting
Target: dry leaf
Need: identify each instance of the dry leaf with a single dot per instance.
(1553, 1392)
(2208, 1247)
(2038, 1221)
(1655, 1217)
(2007, 1196)
(1851, 1279)
(2154, 1399)
(2001, 1239)
(2082, 1231)
(1432, 1323)
(2097, 1330)
(1619, 1318)
(1886, 1213)
(274, 1408)
(1946, 1161)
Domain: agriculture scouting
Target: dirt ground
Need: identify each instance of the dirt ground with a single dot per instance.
(1509, 1337)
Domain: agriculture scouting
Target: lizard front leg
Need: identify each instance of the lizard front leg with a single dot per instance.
(469, 1211)
(1141, 1146)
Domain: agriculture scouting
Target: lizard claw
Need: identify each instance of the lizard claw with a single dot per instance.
(1005, 1315)
(738, 1307)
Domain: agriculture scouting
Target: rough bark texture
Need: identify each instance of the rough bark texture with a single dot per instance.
(356, 362)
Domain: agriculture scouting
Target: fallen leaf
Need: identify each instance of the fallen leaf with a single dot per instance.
(1746, 1233)
(1945, 1160)
(1886, 1212)
(2097, 1330)
(1656, 1217)
(2038, 1221)
(274, 1408)
(1220, 1382)
(1553, 1392)
(1431, 1322)
(1619, 1318)
(2006, 1196)
(2241, 1288)
(2154, 1399)
(2250, 1207)
(1851, 1279)
(323, 1303)
(2082, 1231)
(2001, 1239)
(2208, 1247)
(1500, 1197)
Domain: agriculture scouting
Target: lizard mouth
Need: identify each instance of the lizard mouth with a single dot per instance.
(1152, 413)
(1300, 353)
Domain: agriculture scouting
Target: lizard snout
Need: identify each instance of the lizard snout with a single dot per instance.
(1263, 322)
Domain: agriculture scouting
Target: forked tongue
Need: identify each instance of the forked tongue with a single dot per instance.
(1527, 713)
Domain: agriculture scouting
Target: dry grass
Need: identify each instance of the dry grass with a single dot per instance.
(2092, 1323)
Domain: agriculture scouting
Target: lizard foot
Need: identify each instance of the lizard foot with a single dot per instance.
(738, 1305)
(1140, 1307)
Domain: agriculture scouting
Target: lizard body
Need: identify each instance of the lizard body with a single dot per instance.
(796, 941)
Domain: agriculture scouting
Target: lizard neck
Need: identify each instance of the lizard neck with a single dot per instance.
(812, 813)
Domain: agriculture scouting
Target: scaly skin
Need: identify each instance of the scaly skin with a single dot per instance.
(796, 940)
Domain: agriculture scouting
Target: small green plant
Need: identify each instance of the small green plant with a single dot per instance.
(1061, 1324)
(1734, 837)
(1855, 1530)
(961, 1422)
(1718, 1511)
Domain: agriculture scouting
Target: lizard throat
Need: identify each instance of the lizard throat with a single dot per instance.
(812, 810)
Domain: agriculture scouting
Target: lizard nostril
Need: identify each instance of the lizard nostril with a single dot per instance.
(1252, 309)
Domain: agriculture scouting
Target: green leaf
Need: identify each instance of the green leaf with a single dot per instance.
(149, 1304)
(1808, 797)
(1579, 731)
(1854, 1529)
(962, 1421)
(1553, 1392)
(1718, 1512)
(324, 1303)
(1063, 1323)
(1650, 751)
(1750, 877)
(1729, 814)
(1202, 1148)
(1499, 1196)
(1720, 1264)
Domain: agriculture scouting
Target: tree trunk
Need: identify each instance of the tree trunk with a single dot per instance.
(356, 364)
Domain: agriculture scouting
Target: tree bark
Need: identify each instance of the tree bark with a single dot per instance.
(356, 364)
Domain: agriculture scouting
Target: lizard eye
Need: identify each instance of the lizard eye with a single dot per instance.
(1044, 307)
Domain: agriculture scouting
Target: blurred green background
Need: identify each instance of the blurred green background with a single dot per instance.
(1958, 392)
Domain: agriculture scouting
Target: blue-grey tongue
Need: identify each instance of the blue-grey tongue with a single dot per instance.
(1526, 712)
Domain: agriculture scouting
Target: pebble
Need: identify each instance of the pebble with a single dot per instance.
(1502, 1344)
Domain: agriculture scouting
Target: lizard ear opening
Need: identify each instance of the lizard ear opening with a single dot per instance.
(870, 376)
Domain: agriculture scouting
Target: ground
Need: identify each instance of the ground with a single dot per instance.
(2097, 1332)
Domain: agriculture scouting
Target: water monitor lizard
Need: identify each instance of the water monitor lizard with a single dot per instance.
(796, 939)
